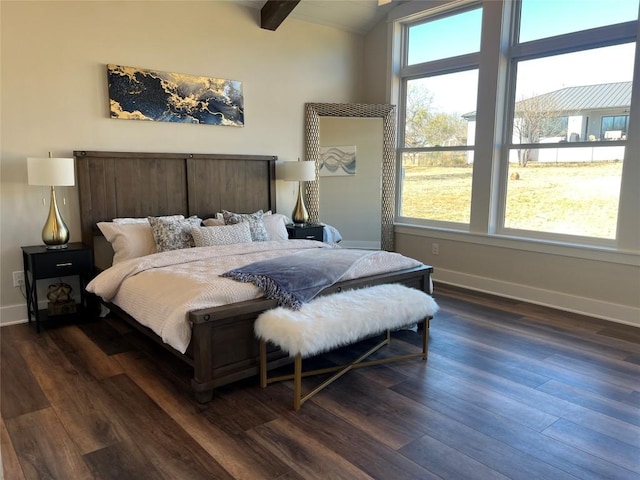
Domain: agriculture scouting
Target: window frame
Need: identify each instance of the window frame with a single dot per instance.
(449, 65)
(490, 179)
(584, 40)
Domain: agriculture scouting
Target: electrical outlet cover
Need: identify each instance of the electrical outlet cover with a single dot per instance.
(18, 279)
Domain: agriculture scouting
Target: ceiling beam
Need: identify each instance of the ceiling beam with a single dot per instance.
(274, 12)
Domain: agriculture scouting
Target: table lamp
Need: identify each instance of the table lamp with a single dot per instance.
(298, 172)
(53, 172)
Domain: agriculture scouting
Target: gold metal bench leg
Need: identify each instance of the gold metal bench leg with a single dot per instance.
(425, 337)
(297, 382)
(263, 363)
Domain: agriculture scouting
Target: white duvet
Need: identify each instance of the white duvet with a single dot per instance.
(160, 290)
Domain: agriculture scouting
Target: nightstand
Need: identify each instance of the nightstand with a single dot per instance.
(41, 263)
(306, 231)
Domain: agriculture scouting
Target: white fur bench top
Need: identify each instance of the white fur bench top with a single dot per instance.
(339, 319)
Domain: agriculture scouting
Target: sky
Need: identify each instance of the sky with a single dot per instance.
(602, 65)
(542, 18)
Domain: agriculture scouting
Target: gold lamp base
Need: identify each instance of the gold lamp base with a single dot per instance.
(55, 233)
(300, 214)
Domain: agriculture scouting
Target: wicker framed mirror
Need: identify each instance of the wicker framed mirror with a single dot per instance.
(313, 113)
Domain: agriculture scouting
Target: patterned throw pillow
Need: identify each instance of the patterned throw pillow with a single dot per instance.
(222, 235)
(256, 224)
(173, 234)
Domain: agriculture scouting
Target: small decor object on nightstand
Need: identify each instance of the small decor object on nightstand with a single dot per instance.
(52, 172)
(60, 300)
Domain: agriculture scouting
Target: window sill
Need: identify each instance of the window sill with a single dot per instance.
(587, 252)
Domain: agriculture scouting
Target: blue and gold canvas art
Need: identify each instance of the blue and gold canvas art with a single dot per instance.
(139, 94)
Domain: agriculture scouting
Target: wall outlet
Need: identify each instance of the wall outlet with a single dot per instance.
(435, 249)
(18, 279)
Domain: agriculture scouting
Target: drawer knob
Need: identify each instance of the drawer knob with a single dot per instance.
(68, 264)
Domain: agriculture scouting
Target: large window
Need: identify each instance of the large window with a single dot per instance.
(437, 139)
(559, 129)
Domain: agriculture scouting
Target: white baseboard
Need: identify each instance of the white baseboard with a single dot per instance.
(13, 314)
(562, 301)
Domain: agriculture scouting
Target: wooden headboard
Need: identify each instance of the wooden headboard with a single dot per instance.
(129, 184)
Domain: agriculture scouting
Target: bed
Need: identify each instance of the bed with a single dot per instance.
(222, 347)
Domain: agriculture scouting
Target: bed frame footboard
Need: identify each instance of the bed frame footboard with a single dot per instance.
(224, 348)
(222, 345)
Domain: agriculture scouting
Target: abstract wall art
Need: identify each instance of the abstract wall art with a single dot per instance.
(139, 94)
(337, 161)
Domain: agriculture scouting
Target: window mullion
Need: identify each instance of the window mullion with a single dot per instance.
(490, 113)
(572, 42)
(628, 233)
(445, 65)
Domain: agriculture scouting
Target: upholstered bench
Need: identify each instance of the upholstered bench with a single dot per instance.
(340, 319)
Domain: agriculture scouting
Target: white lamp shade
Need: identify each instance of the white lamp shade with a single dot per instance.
(298, 171)
(51, 171)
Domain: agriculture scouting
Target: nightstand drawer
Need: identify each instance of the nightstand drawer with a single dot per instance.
(60, 265)
(306, 232)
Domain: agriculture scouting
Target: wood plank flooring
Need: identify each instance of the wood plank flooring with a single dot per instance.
(510, 390)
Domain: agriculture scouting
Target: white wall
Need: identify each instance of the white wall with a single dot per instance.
(54, 93)
(375, 64)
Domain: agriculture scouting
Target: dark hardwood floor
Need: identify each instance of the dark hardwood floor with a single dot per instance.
(510, 390)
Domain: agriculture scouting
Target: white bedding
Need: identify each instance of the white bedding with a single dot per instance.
(160, 290)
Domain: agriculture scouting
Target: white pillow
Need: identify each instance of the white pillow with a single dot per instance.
(276, 225)
(221, 235)
(128, 240)
(144, 219)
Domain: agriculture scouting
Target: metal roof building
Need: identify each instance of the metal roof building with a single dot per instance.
(585, 97)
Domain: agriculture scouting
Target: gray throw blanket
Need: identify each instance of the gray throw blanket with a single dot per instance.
(295, 279)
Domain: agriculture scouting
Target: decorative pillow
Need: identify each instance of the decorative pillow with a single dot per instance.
(276, 225)
(231, 218)
(256, 223)
(173, 234)
(213, 222)
(130, 240)
(144, 219)
(221, 235)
